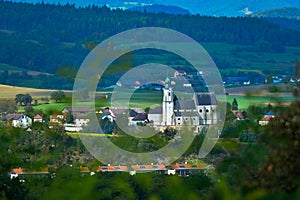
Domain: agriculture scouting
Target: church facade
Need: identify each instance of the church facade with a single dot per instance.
(201, 110)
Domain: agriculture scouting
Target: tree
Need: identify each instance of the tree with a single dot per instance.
(23, 99)
(69, 118)
(281, 139)
(27, 99)
(29, 111)
(58, 96)
(235, 105)
(19, 99)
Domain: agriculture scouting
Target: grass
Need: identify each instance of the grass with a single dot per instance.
(244, 101)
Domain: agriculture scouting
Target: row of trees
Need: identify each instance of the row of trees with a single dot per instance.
(26, 99)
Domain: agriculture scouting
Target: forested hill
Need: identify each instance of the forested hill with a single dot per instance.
(158, 8)
(287, 12)
(43, 37)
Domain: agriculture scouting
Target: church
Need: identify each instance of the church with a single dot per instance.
(201, 110)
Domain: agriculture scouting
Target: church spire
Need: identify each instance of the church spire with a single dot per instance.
(167, 83)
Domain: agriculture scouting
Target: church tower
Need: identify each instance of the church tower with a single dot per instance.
(168, 104)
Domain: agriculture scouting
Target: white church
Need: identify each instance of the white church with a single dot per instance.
(201, 110)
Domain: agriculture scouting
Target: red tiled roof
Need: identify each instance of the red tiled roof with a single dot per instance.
(112, 168)
(30, 171)
(38, 116)
(188, 166)
(266, 118)
(148, 167)
(84, 169)
(18, 170)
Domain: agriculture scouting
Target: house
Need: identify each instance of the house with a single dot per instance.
(81, 120)
(84, 170)
(140, 118)
(237, 80)
(201, 110)
(19, 120)
(112, 168)
(38, 118)
(57, 118)
(266, 119)
(239, 114)
(149, 168)
(72, 128)
(155, 116)
(21, 172)
(186, 169)
(179, 73)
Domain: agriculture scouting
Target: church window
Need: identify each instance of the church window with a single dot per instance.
(169, 94)
(207, 110)
(200, 110)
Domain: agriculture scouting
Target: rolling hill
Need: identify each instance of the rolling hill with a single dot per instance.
(287, 12)
(203, 7)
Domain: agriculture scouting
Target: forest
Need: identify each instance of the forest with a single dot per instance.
(45, 37)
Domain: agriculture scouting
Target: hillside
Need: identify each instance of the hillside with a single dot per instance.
(157, 8)
(288, 12)
(203, 7)
(55, 39)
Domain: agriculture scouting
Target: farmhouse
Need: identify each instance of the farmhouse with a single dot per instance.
(38, 118)
(266, 119)
(19, 120)
(57, 118)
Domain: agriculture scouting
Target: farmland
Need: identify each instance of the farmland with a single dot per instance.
(144, 99)
(9, 92)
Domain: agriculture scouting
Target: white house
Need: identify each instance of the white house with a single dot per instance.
(38, 118)
(19, 120)
(81, 120)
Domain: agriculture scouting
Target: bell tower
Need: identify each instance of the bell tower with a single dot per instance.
(168, 104)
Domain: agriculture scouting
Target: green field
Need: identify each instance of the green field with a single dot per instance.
(142, 99)
(244, 101)
(151, 99)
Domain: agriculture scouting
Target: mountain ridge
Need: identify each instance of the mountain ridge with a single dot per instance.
(230, 8)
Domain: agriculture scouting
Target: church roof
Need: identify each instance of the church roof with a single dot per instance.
(184, 105)
(206, 99)
(156, 110)
(186, 114)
